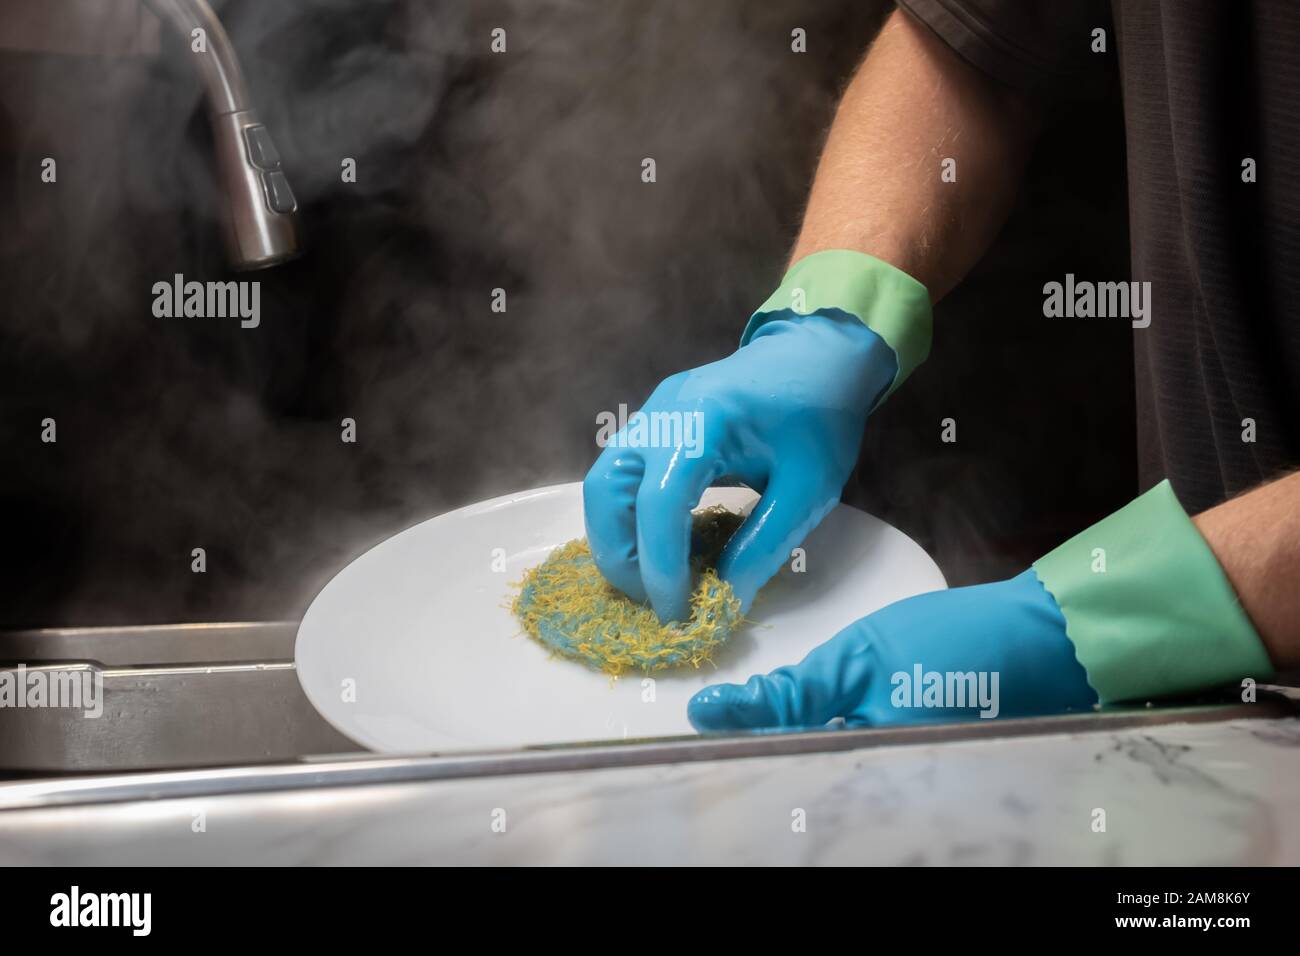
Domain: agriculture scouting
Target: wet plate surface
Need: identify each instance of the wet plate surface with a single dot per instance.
(412, 647)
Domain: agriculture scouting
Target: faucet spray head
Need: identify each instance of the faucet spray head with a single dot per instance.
(259, 221)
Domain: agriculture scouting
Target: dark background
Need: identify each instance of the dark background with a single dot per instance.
(478, 171)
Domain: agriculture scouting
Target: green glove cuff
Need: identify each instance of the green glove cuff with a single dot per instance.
(1147, 607)
(889, 302)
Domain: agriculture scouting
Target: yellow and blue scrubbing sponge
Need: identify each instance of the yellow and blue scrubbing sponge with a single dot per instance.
(566, 605)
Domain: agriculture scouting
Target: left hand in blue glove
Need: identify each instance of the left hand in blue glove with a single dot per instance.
(1133, 608)
(998, 650)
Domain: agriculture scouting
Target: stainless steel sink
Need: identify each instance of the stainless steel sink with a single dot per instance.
(191, 695)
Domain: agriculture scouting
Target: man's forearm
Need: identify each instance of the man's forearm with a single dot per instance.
(879, 187)
(1256, 538)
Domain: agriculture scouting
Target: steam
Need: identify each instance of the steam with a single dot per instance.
(476, 171)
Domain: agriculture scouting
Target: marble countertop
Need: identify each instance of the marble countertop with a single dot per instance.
(1174, 794)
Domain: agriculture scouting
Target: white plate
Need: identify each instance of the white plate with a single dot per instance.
(412, 648)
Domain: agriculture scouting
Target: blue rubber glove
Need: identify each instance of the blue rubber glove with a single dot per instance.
(784, 415)
(1135, 607)
(1011, 636)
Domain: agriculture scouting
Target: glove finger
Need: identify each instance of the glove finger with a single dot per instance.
(792, 504)
(832, 681)
(609, 494)
(672, 486)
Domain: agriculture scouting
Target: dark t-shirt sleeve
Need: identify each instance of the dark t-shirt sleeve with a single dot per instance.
(1042, 47)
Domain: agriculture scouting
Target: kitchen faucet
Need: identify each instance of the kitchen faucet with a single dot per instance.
(259, 220)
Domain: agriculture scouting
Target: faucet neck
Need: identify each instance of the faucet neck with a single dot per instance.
(223, 80)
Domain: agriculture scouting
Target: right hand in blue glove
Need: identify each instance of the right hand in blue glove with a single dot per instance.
(783, 415)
